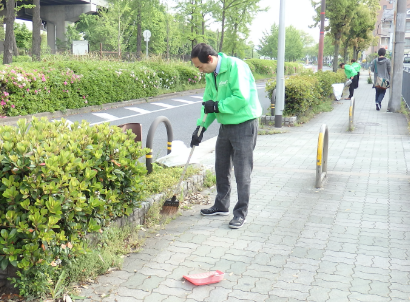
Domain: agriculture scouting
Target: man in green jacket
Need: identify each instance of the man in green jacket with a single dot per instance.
(356, 67)
(350, 74)
(231, 98)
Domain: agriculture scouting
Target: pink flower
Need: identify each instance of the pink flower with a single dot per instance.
(86, 101)
(83, 96)
(3, 103)
(6, 93)
(49, 91)
(35, 79)
(189, 80)
(65, 83)
(28, 90)
(72, 82)
(13, 106)
(36, 91)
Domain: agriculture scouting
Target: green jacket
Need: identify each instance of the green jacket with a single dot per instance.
(356, 66)
(350, 71)
(234, 90)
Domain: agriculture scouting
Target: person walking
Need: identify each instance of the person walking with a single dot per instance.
(357, 67)
(231, 98)
(350, 74)
(381, 67)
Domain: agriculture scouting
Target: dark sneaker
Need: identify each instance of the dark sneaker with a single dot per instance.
(377, 106)
(213, 211)
(236, 222)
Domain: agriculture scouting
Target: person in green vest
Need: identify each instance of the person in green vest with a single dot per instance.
(350, 74)
(231, 98)
(357, 67)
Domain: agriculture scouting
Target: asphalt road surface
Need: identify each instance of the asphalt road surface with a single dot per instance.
(182, 111)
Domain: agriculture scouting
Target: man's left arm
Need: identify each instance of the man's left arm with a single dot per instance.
(240, 81)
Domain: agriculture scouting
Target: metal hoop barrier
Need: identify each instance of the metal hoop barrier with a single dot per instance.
(272, 103)
(321, 162)
(150, 138)
(351, 114)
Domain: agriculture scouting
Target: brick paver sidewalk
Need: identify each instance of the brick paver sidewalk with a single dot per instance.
(349, 241)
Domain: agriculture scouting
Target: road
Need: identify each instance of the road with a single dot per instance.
(182, 111)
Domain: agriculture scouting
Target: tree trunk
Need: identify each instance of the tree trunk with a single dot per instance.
(8, 42)
(15, 48)
(139, 31)
(222, 29)
(36, 41)
(336, 56)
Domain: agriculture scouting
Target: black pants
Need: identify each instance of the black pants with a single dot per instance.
(357, 80)
(353, 86)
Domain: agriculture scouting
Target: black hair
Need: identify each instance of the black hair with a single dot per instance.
(381, 52)
(341, 65)
(352, 60)
(202, 51)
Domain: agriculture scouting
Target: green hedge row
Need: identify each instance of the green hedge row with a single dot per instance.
(268, 67)
(307, 89)
(29, 88)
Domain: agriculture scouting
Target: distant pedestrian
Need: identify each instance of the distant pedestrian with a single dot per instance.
(350, 74)
(231, 98)
(357, 67)
(381, 68)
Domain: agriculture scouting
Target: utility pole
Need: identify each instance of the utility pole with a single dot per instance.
(280, 73)
(322, 35)
(398, 55)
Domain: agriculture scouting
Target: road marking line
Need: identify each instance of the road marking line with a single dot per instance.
(106, 116)
(183, 101)
(163, 105)
(196, 97)
(139, 110)
(68, 121)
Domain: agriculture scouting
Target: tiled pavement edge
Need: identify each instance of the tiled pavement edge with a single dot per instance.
(346, 242)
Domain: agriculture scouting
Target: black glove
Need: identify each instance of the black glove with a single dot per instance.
(210, 107)
(195, 138)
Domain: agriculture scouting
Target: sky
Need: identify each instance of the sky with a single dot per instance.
(298, 13)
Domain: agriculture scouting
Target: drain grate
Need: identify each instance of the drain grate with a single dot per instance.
(368, 124)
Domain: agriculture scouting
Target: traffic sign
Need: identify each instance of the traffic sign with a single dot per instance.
(147, 35)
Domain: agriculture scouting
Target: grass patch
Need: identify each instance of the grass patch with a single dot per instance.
(325, 106)
(210, 179)
(405, 110)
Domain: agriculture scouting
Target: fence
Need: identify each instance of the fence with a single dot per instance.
(406, 88)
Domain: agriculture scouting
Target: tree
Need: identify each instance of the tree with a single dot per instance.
(9, 41)
(23, 36)
(36, 40)
(269, 42)
(341, 15)
(293, 45)
(225, 8)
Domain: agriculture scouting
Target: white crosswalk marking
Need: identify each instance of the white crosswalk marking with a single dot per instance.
(183, 101)
(163, 105)
(106, 116)
(196, 97)
(139, 110)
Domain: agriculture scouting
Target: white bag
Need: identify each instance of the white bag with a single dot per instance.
(338, 90)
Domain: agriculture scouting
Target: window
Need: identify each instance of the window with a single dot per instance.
(384, 7)
(407, 43)
(407, 26)
(386, 24)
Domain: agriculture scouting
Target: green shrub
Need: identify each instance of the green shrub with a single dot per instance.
(58, 184)
(266, 67)
(307, 90)
(188, 75)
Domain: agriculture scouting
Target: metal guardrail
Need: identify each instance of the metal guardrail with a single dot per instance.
(351, 114)
(406, 87)
(150, 138)
(321, 158)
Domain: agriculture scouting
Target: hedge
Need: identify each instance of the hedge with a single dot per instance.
(306, 90)
(268, 67)
(59, 183)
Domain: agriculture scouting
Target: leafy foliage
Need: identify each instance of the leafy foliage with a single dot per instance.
(58, 184)
(306, 90)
